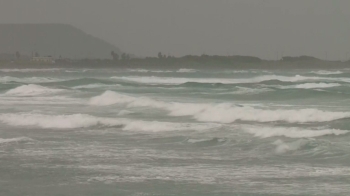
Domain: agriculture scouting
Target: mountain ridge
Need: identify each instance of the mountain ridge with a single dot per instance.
(53, 39)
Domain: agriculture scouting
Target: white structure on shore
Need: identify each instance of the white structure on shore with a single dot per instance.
(47, 59)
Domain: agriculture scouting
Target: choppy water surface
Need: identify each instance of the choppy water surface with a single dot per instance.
(174, 132)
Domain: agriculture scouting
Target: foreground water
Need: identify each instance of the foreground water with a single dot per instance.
(174, 132)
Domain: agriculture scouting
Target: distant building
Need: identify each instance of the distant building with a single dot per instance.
(47, 59)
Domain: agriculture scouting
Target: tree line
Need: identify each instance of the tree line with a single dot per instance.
(123, 56)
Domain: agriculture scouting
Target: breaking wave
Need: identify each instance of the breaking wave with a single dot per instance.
(8, 79)
(228, 113)
(149, 71)
(313, 85)
(249, 91)
(183, 70)
(186, 70)
(283, 147)
(292, 132)
(29, 70)
(206, 141)
(324, 72)
(221, 112)
(138, 70)
(177, 81)
(98, 85)
(56, 121)
(31, 90)
(84, 121)
(15, 140)
(111, 98)
(156, 126)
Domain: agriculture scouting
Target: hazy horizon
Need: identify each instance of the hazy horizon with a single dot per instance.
(79, 117)
(267, 29)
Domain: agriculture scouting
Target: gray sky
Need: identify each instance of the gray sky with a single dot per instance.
(263, 28)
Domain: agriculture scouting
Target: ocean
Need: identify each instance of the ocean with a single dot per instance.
(171, 132)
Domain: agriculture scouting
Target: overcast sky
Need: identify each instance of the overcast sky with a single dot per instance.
(263, 28)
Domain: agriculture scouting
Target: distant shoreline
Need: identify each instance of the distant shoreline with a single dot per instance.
(194, 62)
(133, 64)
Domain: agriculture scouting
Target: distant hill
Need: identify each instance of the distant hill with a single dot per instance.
(52, 39)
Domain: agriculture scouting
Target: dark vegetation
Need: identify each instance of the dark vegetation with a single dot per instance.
(169, 62)
(70, 47)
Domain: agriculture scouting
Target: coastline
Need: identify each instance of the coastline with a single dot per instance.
(178, 64)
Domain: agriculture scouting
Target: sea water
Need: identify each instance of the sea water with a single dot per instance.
(174, 132)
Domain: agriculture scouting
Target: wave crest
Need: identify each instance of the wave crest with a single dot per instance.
(283, 147)
(8, 79)
(96, 85)
(56, 121)
(15, 140)
(312, 86)
(177, 81)
(83, 121)
(183, 70)
(111, 98)
(292, 132)
(29, 70)
(325, 72)
(222, 112)
(31, 90)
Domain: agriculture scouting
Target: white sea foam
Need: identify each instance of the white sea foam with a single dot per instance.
(98, 85)
(257, 79)
(160, 71)
(195, 141)
(239, 91)
(228, 113)
(222, 112)
(124, 112)
(29, 70)
(244, 91)
(31, 90)
(149, 71)
(171, 80)
(291, 132)
(8, 79)
(312, 85)
(57, 121)
(110, 98)
(325, 72)
(138, 70)
(15, 140)
(183, 70)
(283, 147)
(84, 121)
(156, 126)
(246, 71)
(241, 71)
(39, 100)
